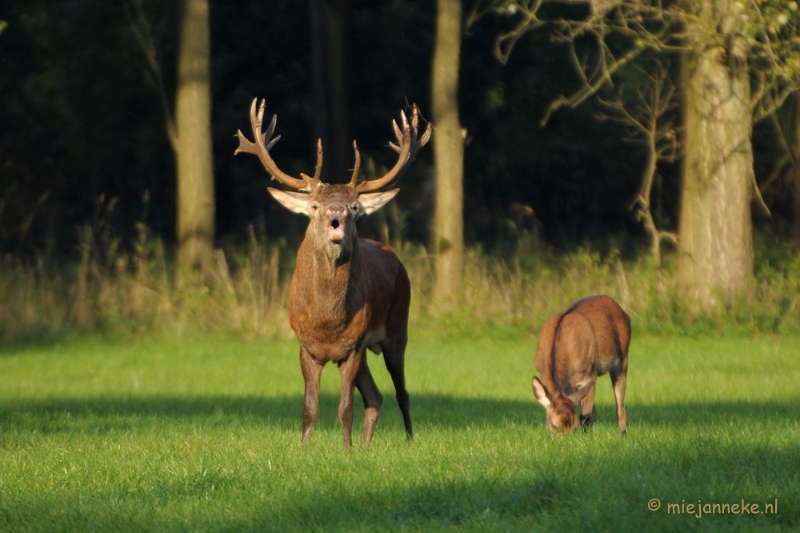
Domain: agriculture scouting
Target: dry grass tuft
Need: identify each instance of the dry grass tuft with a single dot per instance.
(118, 293)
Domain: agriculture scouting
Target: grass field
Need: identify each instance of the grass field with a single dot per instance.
(203, 434)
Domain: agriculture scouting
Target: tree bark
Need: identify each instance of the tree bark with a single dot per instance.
(795, 173)
(448, 151)
(715, 233)
(195, 166)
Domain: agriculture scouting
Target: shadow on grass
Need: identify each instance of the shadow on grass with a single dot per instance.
(429, 411)
(537, 493)
(425, 506)
(606, 496)
(46, 339)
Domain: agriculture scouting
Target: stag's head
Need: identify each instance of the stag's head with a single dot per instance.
(333, 208)
(559, 409)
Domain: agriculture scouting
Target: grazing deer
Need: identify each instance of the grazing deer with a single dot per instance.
(586, 340)
(347, 294)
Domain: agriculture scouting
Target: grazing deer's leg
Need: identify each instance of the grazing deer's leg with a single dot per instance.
(311, 374)
(618, 380)
(348, 369)
(373, 399)
(394, 356)
(587, 406)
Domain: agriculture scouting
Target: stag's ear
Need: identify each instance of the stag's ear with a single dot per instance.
(296, 202)
(540, 391)
(371, 202)
(581, 393)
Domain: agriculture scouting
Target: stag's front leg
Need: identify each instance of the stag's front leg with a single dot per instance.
(348, 370)
(588, 410)
(312, 370)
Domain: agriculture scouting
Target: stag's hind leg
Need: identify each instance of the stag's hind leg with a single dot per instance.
(373, 399)
(394, 354)
(312, 370)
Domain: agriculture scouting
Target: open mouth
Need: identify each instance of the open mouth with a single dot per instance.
(335, 231)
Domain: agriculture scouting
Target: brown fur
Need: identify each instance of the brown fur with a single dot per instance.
(345, 297)
(347, 294)
(586, 340)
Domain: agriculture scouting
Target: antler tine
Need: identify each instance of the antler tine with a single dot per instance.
(315, 181)
(270, 132)
(357, 167)
(407, 148)
(398, 133)
(426, 135)
(261, 148)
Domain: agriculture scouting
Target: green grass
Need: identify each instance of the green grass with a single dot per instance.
(203, 434)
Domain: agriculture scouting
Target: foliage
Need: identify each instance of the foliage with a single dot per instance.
(203, 434)
(547, 208)
(622, 29)
(81, 126)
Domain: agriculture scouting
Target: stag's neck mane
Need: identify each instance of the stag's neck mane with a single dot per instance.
(330, 277)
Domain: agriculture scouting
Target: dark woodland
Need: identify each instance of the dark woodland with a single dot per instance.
(83, 137)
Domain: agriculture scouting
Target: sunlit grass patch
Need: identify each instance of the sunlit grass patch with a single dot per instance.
(203, 434)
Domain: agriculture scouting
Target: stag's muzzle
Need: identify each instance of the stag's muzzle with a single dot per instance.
(337, 214)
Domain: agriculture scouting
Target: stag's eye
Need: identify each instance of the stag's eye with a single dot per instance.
(354, 207)
(314, 206)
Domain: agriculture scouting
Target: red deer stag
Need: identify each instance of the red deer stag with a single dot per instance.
(586, 340)
(347, 294)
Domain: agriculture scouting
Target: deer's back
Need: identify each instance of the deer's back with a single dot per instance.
(588, 338)
(381, 265)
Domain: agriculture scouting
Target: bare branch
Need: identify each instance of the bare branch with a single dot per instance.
(590, 88)
(529, 21)
(140, 25)
(477, 12)
(647, 119)
(759, 200)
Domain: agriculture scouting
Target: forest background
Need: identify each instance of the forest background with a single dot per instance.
(89, 187)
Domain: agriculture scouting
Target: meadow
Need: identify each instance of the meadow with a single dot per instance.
(128, 403)
(201, 432)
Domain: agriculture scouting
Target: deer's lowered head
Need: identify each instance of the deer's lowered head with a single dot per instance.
(560, 414)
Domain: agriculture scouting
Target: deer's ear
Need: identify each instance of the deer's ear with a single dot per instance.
(371, 202)
(581, 393)
(296, 202)
(540, 391)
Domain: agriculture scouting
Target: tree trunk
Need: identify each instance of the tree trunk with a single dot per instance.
(448, 151)
(795, 173)
(329, 29)
(715, 235)
(195, 167)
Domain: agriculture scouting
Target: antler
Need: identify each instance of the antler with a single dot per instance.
(407, 146)
(356, 167)
(261, 149)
